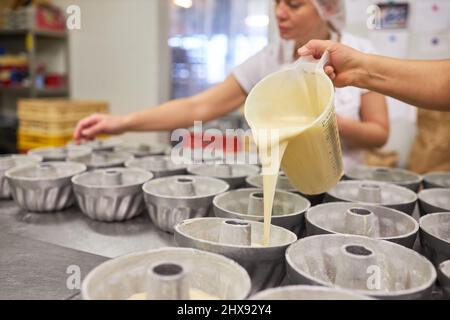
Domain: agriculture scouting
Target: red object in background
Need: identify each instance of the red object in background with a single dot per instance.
(9, 75)
(54, 80)
(228, 143)
(50, 18)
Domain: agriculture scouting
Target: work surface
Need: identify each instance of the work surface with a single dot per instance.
(36, 250)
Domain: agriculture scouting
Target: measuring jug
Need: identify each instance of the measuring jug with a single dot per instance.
(298, 101)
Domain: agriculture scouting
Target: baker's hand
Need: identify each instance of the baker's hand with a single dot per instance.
(345, 65)
(90, 127)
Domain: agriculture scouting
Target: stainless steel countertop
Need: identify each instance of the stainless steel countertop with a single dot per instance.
(75, 236)
(72, 229)
(32, 269)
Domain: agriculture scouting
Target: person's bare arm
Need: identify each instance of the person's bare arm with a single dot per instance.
(210, 104)
(425, 84)
(373, 129)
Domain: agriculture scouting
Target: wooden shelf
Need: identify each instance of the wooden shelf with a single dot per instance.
(46, 92)
(36, 32)
(39, 92)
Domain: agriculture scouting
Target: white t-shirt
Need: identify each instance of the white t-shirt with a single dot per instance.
(280, 54)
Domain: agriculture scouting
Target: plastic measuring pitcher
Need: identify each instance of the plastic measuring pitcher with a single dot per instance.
(299, 102)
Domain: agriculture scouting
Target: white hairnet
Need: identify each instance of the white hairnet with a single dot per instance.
(332, 11)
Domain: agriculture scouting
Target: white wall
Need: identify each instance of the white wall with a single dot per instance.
(414, 43)
(120, 54)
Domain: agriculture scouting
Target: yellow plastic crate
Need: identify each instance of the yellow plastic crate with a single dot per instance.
(58, 110)
(48, 128)
(30, 140)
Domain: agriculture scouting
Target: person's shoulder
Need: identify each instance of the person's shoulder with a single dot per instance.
(358, 43)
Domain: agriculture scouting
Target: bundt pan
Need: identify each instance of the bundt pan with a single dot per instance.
(233, 174)
(111, 195)
(242, 241)
(172, 200)
(44, 187)
(8, 162)
(436, 180)
(371, 267)
(307, 293)
(103, 159)
(363, 220)
(444, 278)
(100, 144)
(247, 204)
(373, 192)
(167, 274)
(400, 177)
(60, 154)
(435, 236)
(142, 150)
(434, 200)
(159, 166)
(283, 184)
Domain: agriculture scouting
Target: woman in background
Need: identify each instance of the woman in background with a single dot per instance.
(362, 115)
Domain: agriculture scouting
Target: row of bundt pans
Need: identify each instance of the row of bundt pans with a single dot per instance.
(247, 208)
(363, 266)
(179, 273)
(8, 162)
(174, 273)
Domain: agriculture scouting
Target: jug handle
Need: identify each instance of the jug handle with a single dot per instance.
(319, 64)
